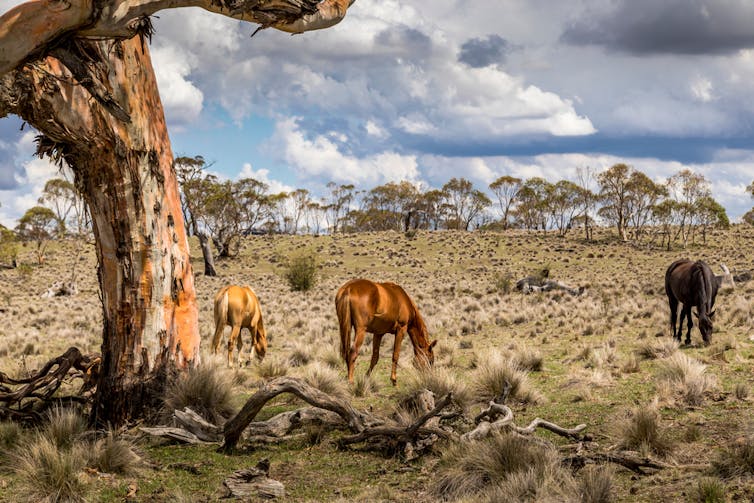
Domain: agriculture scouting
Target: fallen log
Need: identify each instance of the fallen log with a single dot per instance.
(235, 427)
(253, 483)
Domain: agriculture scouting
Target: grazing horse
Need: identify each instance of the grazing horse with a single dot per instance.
(693, 284)
(379, 308)
(238, 307)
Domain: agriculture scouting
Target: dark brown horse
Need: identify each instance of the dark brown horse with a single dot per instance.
(693, 284)
(379, 308)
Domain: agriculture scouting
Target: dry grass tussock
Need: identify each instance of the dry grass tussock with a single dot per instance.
(10, 436)
(47, 472)
(659, 348)
(596, 484)
(207, 389)
(686, 378)
(642, 430)
(493, 371)
(736, 459)
(709, 490)
(364, 385)
(114, 454)
(503, 467)
(438, 380)
(326, 379)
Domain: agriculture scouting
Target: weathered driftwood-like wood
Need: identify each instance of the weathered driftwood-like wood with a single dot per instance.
(235, 427)
(284, 423)
(23, 398)
(174, 433)
(488, 423)
(254, 483)
(633, 463)
(195, 424)
(404, 434)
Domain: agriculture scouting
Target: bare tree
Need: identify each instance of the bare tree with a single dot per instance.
(81, 74)
(190, 173)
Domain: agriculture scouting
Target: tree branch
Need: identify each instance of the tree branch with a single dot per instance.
(30, 30)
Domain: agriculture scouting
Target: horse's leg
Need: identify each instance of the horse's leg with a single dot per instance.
(376, 341)
(396, 354)
(357, 342)
(219, 329)
(232, 342)
(239, 345)
(673, 316)
(687, 310)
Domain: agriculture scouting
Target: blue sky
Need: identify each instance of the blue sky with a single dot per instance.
(425, 90)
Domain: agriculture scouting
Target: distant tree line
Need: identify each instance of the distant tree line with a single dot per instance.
(219, 212)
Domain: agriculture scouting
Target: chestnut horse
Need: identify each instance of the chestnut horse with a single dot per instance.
(693, 284)
(379, 308)
(238, 307)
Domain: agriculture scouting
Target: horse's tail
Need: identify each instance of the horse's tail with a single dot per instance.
(221, 308)
(343, 308)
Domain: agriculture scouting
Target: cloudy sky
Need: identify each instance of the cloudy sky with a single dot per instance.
(425, 90)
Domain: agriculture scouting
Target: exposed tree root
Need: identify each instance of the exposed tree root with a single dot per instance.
(25, 399)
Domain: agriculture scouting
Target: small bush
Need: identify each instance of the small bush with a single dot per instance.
(207, 389)
(642, 431)
(301, 272)
(112, 454)
(503, 283)
(710, 490)
(737, 459)
(741, 391)
(596, 485)
(47, 472)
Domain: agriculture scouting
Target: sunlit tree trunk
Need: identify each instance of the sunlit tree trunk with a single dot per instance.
(124, 171)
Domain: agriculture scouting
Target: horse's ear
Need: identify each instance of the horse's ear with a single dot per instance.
(712, 313)
(432, 344)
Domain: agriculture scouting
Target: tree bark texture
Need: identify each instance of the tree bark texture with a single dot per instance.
(124, 171)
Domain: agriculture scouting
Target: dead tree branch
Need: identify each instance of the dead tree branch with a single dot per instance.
(235, 427)
(23, 402)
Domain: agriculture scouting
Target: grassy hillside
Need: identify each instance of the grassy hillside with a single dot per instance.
(593, 358)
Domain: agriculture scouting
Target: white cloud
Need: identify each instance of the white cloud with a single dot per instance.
(263, 175)
(321, 158)
(180, 97)
(31, 179)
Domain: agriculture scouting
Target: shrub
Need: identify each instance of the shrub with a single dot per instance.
(207, 389)
(301, 272)
(503, 283)
(48, 472)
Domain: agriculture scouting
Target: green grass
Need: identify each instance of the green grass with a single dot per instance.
(444, 272)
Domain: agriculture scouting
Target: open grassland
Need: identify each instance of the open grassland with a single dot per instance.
(597, 358)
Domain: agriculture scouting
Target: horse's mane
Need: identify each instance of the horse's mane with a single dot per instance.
(419, 321)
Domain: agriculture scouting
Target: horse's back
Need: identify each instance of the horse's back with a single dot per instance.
(685, 278)
(242, 304)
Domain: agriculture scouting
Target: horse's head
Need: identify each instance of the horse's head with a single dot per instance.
(705, 325)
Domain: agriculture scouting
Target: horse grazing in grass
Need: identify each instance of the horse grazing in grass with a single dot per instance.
(693, 284)
(238, 307)
(380, 308)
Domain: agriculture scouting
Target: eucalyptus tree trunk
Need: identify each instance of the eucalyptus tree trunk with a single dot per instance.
(124, 171)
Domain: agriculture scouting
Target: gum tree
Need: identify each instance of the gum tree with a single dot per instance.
(79, 71)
